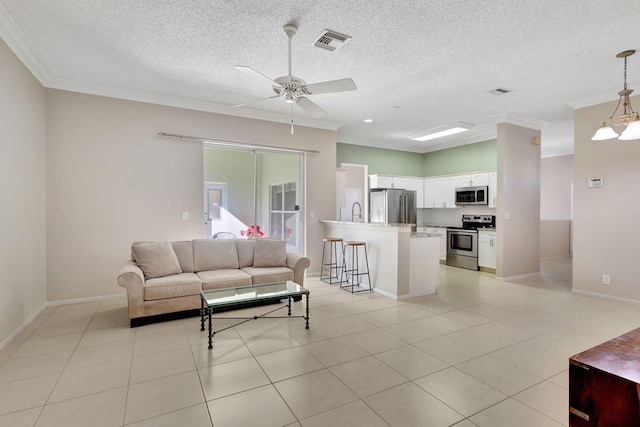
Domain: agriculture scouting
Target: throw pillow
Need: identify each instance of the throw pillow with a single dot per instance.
(270, 253)
(214, 254)
(156, 259)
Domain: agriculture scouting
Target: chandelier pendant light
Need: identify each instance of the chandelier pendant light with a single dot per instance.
(628, 118)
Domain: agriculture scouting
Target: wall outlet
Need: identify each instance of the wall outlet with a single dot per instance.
(185, 215)
(606, 279)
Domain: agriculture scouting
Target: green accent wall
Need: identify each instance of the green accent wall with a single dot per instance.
(381, 160)
(479, 156)
(466, 158)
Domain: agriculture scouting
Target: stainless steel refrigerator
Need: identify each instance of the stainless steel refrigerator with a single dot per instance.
(392, 206)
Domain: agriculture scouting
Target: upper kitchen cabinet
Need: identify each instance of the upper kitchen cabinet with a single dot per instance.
(481, 178)
(411, 183)
(439, 192)
(404, 182)
(462, 181)
(381, 181)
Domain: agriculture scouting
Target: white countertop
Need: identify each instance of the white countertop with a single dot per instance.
(368, 224)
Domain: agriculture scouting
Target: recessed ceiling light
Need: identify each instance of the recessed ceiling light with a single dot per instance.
(368, 120)
(442, 131)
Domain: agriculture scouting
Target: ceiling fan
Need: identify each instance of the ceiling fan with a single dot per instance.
(294, 89)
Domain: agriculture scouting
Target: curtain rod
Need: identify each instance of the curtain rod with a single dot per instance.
(224, 143)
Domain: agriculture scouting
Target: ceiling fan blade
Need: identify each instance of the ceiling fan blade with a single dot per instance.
(310, 107)
(341, 85)
(257, 100)
(250, 70)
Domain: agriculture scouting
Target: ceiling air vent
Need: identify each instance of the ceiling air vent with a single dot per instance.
(500, 91)
(330, 40)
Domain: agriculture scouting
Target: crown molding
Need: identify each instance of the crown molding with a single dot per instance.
(17, 42)
(514, 119)
(600, 98)
(189, 104)
(13, 37)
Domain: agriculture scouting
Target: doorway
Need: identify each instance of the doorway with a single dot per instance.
(253, 193)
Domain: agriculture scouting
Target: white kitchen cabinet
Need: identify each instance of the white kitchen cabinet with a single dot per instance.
(487, 249)
(448, 191)
(380, 181)
(493, 188)
(463, 181)
(430, 190)
(481, 178)
(411, 183)
(439, 192)
(442, 232)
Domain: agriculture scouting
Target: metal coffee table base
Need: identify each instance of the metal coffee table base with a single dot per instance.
(208, 311)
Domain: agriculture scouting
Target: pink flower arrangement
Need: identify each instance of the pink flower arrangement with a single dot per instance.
(252, 232)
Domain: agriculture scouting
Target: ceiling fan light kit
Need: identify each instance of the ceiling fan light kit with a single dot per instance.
(294, 89)
(442, 131)
(628, 118)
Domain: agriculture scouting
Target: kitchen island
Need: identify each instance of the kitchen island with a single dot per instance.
(402, 264)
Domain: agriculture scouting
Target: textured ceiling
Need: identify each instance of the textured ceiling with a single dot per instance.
(417, 64)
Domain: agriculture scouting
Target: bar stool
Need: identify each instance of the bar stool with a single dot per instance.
(354, 272)
(332, 263)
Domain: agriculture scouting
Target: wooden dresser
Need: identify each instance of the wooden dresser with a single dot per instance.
(604, 384)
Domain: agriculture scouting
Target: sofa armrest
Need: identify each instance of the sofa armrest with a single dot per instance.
(132, 278)
(298, 264)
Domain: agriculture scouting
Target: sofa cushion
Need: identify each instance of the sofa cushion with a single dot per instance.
(214, 254)
(246, 247)
(269, 274)
(217, 279)
(178, 285)
(156, 259)
(270, 253)
(184, 252)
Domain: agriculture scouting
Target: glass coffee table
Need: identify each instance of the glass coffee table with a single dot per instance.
(227, 298)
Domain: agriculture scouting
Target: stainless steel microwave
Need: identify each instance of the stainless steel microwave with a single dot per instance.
(472, 195)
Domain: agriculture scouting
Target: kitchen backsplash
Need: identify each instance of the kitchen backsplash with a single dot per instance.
(451, 216)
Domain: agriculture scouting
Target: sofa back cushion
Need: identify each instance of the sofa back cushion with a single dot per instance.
(184, 252)
(270, 253)
(246, 247)
(214, 254)
(156, 259)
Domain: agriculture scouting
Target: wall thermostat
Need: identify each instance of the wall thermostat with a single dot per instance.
(596, 182)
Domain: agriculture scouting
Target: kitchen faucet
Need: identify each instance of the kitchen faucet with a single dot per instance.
(353, 208)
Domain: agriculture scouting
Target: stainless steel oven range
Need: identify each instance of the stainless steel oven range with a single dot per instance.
(462, 242)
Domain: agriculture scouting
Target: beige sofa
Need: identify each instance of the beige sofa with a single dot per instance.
(166, 277)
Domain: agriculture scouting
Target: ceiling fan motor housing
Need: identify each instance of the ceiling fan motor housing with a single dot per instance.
(290, 84)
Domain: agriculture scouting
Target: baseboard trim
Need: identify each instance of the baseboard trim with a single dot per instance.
(604, 296)
(20, 328)
(83, 300)
(522, 276)
(386, 294)
(58, 303)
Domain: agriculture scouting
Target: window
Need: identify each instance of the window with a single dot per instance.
(284, 213)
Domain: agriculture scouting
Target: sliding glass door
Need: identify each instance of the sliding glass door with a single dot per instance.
(254, 194)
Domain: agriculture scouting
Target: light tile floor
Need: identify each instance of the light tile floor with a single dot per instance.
(482, 352)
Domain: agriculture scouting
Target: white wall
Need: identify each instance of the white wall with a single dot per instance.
(556, 177)
(518, 252)
(606, 227)
(111, 180)
(23, 282)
